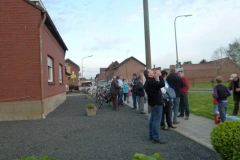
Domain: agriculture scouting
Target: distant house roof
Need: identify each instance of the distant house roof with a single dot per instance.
(207, 65)
(102, 70)
(113, 64)
(128, 60)
(49, 23)
(73, 63)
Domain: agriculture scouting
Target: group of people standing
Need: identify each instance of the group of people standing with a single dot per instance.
(156, 87)
(121, 88)
(162, 105)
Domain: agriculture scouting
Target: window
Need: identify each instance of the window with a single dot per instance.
(60, 73)
(50, 69)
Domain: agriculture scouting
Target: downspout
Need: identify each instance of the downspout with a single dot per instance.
(41, 65)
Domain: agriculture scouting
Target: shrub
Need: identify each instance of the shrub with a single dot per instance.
(139, 156)
(44, 157)
(91, 106)
(225, 139)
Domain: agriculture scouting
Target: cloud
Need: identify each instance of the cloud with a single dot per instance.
(168, 3)
(154, 9)
(105, 44)
(132, 18)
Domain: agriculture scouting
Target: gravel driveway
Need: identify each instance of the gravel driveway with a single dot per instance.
(68, 134)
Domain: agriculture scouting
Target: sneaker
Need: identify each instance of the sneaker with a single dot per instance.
(150, 139)
(180, 115)
(186, 118)
(159, 141)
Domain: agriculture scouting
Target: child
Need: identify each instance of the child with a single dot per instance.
(215, 104)
(221, 93)
(128, 94)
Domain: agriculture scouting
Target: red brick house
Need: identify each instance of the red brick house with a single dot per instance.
(32, 61)
(129, 66)
(72, 73)
(208, 71)
(109, 72)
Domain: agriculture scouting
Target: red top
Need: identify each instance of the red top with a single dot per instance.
(214, 99)
(185, 86)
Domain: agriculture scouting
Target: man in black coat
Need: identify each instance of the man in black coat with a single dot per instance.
(114, 89)
(175, 82)
(154, 83)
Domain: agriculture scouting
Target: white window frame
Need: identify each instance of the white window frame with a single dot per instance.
(50, 69)
(60, 74)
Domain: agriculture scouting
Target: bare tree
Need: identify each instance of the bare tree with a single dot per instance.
(219, 53)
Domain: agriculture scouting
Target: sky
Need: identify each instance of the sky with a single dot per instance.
(113, 30)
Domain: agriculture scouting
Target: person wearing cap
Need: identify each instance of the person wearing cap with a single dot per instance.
(234, 85)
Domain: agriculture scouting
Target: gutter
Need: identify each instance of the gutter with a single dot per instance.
(41, 65)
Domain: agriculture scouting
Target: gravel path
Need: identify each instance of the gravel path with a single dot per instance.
(68, 134)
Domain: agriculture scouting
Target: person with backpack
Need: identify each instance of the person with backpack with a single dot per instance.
(175, 82)
(221, 93)
(168, 103)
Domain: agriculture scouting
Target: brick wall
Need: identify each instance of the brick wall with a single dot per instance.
(102, 76)
(19, 51)
(209, 74)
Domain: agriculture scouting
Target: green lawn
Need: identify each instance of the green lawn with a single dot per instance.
(205, 84)
(201, 104)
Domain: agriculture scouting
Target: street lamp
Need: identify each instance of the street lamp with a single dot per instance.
(82, 64)
(176, 35)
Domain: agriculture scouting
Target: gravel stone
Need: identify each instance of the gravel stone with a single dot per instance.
(68, 134)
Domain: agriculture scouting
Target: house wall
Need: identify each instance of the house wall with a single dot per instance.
(127, 69)
(102, 76)
(20, 91)
(73, 68)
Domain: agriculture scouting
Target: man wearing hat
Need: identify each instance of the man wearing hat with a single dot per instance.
(234, 85)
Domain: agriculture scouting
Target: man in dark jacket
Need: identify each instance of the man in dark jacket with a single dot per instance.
(234, 85)
(140, 94)
(114, 89)
(184, 107)
(175, 82)
(154, 83)
(134, 97)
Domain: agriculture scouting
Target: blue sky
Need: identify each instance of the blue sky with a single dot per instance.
(113, 30)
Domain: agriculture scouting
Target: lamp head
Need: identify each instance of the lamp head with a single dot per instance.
(188, 15)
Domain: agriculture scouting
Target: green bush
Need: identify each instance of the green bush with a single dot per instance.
(139, 156)
(44, 157)
(91, 106)
(225, 139)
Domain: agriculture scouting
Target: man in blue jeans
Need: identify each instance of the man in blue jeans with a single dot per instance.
(154, 83)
